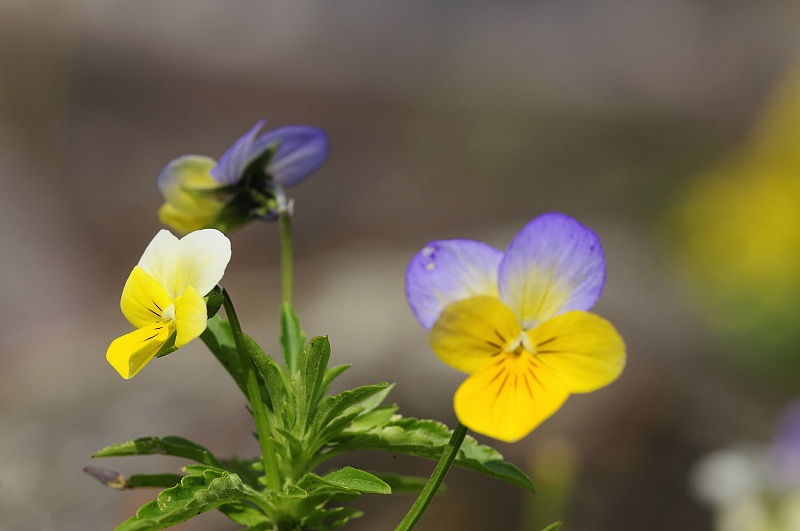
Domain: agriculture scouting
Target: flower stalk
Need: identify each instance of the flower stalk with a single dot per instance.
(432, 486)
(287, 259)
(256, 402)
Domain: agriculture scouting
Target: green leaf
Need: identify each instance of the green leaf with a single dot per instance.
(555, 526)
(331, 406)
(346, 479)
(242, 513)
(369, 420)
(428, 438)
(249, 470)
(292, 337)
(218, 337)
(323, 519)
(196, 493)
(376, 400)
(337, 425)
(359, 480)
(271, 373)
(313, 363)
(172, 445)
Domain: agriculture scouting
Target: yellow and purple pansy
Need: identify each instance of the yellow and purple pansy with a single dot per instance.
(200, 192)
(165, 295)
(517, 322)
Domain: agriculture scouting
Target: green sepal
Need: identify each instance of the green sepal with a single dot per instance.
(345, 480)
(202, 490)
(428, 438)
(555, 526)
(292, 338)
(171, 445)
(214, 301)
(168, 347)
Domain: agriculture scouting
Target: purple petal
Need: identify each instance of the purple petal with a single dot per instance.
(447, 271)
(232, 163)
(301, 150)
(554, 264)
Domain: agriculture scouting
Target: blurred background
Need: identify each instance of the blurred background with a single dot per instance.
(670, 128)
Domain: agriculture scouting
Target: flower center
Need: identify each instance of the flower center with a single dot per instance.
(522, 343)
(168, 315)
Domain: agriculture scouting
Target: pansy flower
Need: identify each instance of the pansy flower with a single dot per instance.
(516, 322)
(164, 295)
(244, 183)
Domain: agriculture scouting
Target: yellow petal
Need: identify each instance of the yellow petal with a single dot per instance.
(508, 398)
(130, 353)
(185, 222)
(470, 332)
(580, 348)
(181, 180)
(143, 299)
(191, 316)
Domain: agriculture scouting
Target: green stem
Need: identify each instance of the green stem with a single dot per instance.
(285, 220)
(256, 402)
(430, 488)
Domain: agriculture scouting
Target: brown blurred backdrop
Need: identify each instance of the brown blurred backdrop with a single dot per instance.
(446, 119)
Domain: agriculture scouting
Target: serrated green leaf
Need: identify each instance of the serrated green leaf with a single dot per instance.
(555, 526)
(332, 406)
(428, 438)
(218, 337)
(171, 445)
(292, 337)
(194, 495)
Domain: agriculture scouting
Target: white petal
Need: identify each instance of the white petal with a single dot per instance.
(199, 261)
(156, 253)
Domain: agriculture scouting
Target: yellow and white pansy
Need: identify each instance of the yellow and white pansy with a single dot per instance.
(164, 295)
